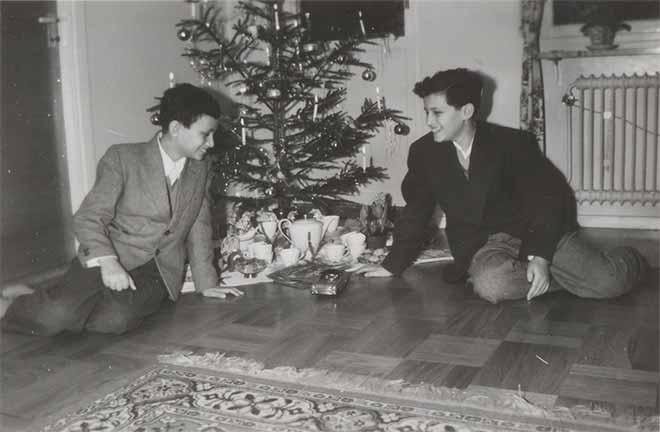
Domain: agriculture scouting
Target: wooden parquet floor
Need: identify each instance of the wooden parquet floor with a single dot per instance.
(560, 349)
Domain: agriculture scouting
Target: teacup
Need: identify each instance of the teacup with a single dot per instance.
(291, 256)
(269, 228)
(355, 242)
(335, 252)
(263, 251)
(330, 223)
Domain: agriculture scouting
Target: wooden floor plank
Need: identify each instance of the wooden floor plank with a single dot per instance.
(546, 332)
(533, 367)
(358, 363)
(392, 337)
(437, 374)
(455, 350)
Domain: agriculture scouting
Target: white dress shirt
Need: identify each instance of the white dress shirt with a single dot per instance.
(173, 169)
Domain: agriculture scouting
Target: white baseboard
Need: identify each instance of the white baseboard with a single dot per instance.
(628, 222)
(43, 278)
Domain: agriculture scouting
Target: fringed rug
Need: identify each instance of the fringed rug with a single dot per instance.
(214, 393)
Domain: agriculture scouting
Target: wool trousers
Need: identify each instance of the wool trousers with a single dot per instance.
(82, 302)
(497, 274)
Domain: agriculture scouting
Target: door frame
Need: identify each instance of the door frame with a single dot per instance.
(76, 100)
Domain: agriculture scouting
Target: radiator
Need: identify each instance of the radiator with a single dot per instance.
(613, 137)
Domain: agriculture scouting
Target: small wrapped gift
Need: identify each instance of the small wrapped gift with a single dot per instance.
(320, 279)
(331, 282)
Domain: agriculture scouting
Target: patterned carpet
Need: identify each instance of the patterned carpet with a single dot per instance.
(213, 393)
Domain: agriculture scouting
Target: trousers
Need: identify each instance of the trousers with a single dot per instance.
(497, 274)
(82, 302)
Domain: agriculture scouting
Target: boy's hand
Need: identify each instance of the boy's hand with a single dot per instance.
(538, 274)
(114, 276)
(218, 292)
(373, 270)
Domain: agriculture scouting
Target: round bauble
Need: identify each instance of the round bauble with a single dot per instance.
(242, 88)
(273, 93)
(369, 75)
(309, 47)
(155, 119)
(183, 34)
(341, 59)
(401, 129)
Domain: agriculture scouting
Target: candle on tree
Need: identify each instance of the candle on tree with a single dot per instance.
(362, 29)
(277, 17)
(316, 107)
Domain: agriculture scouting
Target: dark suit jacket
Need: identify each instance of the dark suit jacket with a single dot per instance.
(512, 188)
(127, 214)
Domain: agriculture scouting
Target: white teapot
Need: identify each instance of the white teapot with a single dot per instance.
(303, 232)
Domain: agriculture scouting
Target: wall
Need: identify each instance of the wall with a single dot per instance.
(132, 46)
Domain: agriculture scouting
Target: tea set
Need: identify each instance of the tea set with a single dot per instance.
(305, 237)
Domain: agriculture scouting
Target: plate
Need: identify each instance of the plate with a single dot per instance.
(601, 47)
(372, 257)
(250, 267)
(348, 260)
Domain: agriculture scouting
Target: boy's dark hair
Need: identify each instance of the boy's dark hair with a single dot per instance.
(186, 103)
(460, 86)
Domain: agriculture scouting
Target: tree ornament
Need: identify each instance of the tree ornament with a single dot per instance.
(369, 75)
(242, 89)
(273, 93)
(309, 47)
(277, 16)
(183, 34)
(155, 119)
(293, 68)
(341, 59)
(401, 129)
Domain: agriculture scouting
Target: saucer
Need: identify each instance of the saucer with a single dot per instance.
(347, 260)
(601, 47)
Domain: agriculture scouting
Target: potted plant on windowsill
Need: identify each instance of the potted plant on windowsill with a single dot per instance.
(602, 22)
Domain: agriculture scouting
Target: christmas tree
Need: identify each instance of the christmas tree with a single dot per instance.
(294, 143)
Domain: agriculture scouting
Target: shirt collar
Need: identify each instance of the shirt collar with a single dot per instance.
(466, 153)
(172, 168)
